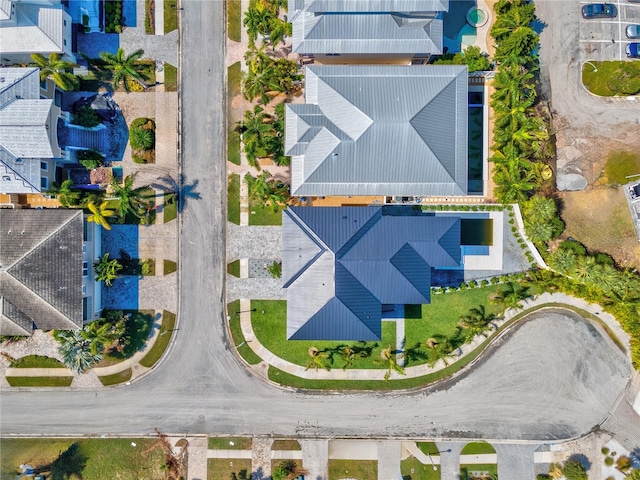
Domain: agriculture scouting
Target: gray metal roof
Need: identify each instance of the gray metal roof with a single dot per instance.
(380, 130)
(34, 28)
(41, 268)
(368, 5)
(24, 133)
(341, 264)
(383, 33)
(5, 9)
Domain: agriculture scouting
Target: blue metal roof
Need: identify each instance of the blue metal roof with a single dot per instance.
(380, 255)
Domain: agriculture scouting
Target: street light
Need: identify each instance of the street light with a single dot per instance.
(595, 69)
(246, 311)
(439, 451)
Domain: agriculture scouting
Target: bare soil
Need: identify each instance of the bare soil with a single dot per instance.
(600, 219)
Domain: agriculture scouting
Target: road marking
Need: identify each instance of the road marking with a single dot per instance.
(621, 42)
(619, 32)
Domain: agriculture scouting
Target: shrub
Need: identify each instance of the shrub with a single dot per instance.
(604, 259)
(604, 450)
(623, 463)
(85, 116)
(141, 139)
(275, 269)
(543, 476)
(608, 461)
(573, 245)
(574, 470)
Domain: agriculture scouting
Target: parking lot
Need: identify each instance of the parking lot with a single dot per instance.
(604, 38)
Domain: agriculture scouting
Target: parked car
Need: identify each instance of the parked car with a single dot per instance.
(633, 31)
(599, 10)
(633, 50)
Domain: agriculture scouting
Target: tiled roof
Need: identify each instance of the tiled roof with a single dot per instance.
(380, 130)
(5, 9)
(341, 264)
(41, 268)
(23, 128)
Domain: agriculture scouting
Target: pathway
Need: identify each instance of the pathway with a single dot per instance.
(424, 369)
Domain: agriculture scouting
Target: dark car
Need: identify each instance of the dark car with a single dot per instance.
(633, 31)
(633, 50)
(599, 10)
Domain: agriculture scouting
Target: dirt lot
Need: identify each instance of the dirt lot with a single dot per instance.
(600, 219)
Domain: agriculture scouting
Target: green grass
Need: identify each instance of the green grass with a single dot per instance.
(353, 469)
(477, 448)
(234, 20)
(270, 329)
(149, 24)
(116, 378)
(95, 459)
(491, 468)
(234, 77)
(233, 268)
(37, 361)
(233, 145)
(170, 207)
(621, 165)
(233, 198)
(170, 267)
(238, 338)
(283, 378)
(160, 345)
(170, 15)
(412, 469)
(612, 78)
(39, 381)
(222, 468)
(261, 214)
(428, 448)
(222, 443)
(170, 78)
(285, 445)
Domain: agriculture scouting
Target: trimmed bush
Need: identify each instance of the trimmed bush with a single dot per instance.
(608, 461)
(141, 139)
(85, 116)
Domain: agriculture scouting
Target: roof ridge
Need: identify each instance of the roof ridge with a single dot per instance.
(24, 180)
(45, 239)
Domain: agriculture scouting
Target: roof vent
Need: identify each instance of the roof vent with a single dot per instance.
(22, 232)
(1, 79)
(6, 178)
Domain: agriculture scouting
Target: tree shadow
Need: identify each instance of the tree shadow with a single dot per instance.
(184, 191)
(582, 459)
(414, 354)
(69, 463)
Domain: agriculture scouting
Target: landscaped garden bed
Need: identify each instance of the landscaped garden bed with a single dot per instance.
(142, 138)
(114, 21)
(36, 361)
(137, 327)
(149, 17)
(612, 78)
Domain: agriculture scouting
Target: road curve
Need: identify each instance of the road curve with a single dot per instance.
(554, 377)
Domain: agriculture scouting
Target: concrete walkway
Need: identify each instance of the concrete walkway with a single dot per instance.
(418, 370)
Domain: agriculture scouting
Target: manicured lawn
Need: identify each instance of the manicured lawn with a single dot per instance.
(477, 448)
(233, 145)
(464, 469)
(621, 165)
(285, 445)
(412, 469)
(234, 75)
(95, 459)
(353, 469)
(234, 20)
(37, 361)
(261, 214)
(233, 268)
(160, 345)
(170, 267)
(170, 15)
(612, 78)
(271, 327)
(222, 443)
(238, 338)
(233, 198)
(170, 207)
(428, 447)
(222, 468)
(170, 78)
(116, 378)
(39, 381)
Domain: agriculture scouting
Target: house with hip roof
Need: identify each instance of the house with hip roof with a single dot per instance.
(29, 149)
(28, 27)
(371, 31)
(380, 130)
(46, 270)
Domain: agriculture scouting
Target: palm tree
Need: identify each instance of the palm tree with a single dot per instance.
(131, 200)
(267, 190)
(100, 335)
(278, 30)
(585, 270)
(125, 68)
(56, 69)
(563, 260)
(257, 134)
(107, 270)
(288, 470)
(391, 363)
(258, 84)
(76, 351)
(513, 183)
(510, 295)
(317, 359)
(65, 193)
(99, 214)
(439, 348)
(256, 20)
(540, 207)
(476, 322)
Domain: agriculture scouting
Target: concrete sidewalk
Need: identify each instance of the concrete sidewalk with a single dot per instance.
(419, 370)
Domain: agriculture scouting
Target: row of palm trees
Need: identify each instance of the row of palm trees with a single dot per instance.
(268, 76)
(262, 19)
(124, 69)
(267, 190)
(263, 135)
(130, 200)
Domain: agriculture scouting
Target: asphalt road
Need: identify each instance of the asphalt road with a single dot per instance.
(555, 377)
(566, 42)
